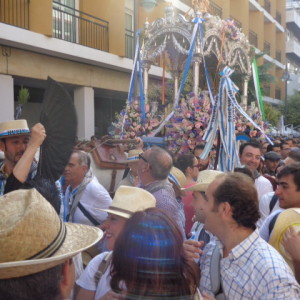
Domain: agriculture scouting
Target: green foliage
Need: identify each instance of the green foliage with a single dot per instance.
(272, 114)
(23, 95)
(293, 111)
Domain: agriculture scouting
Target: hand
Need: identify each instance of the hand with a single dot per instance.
(207, 296)
(192, 249)
(291, 243)
(139, 143)
(38, 135)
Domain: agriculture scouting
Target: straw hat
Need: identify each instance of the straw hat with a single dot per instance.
(133, 155)
(205, 178)
(178, 177)
(128, 200)
(14, 128)
(33, 238)
(287, 218)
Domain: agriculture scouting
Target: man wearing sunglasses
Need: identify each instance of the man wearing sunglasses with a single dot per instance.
(153, 169)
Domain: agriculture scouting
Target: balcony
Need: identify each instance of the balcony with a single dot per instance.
(293, 49)
(215, 9)
(75, 26)
(253, 38)
(15, 12)
(293, 21)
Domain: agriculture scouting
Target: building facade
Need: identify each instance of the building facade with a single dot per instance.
(88, 46)
(293, 45)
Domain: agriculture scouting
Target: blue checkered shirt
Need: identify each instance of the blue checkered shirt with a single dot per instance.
(252, 270)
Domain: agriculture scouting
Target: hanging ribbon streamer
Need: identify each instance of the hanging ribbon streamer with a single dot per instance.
(137, 59)
(258, 89)
(223, 118)
(197, 28)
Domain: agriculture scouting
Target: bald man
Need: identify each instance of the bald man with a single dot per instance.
(153, 169)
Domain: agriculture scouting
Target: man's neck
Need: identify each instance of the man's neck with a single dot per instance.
(8, 167)
(234, 237)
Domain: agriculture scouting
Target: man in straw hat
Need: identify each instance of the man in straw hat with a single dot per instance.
(246, 266)
(94, 283)
(19, 145)
(36, 248)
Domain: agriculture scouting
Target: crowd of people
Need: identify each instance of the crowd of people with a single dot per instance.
(174, 229)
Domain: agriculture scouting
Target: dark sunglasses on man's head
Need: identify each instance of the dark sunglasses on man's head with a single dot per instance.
(143, 158)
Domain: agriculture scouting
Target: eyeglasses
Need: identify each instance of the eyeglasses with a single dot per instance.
(143, 158)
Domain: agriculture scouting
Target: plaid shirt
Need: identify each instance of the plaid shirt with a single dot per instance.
(252, 270)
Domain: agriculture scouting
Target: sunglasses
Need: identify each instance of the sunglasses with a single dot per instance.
(143, 158)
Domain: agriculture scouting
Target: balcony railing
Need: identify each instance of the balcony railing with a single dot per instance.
(75, 26)
(267, 47)
(267, 6)
(237, 22)
(15, 12)
(215, 9)
(278, 17)
(278, 56)
(129, 43)
(253, 38)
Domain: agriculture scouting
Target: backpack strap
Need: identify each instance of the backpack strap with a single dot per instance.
(215, 276)
(88, 215)
(273, 202)
(103, 267)
(272, 223)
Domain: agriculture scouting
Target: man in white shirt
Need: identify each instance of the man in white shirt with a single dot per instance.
(250, 154)
(84, 193)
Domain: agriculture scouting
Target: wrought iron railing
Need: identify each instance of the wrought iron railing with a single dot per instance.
(267, 47)
(215, 9)
(253, 38)
(278, 17)
(129, 43)
(15, 12)
(75, 26)
(278, 55)
(267, 6)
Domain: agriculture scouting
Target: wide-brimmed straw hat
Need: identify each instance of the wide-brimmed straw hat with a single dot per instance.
(178, 177)
(13, 128)
(133, 155)
(287, 218)
(128, 200)
(33, 238)
(205, 178)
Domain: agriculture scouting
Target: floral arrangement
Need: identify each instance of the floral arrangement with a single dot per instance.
(131, 119)
(186, 127)
(230, 29)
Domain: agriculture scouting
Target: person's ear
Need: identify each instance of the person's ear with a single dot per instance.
(67, 278)
(225, 209)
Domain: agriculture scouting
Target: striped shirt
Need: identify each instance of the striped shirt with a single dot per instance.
(252, 270)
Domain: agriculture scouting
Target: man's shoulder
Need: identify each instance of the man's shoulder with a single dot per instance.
(262, 180)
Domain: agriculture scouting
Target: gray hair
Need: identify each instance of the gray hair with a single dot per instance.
(84, 158)
(161, 163)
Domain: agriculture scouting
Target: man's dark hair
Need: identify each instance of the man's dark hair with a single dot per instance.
(184, 161)
(159, 163)
(292, 169)
(295, 155)
(245, 170)
(199, 147)
(271, 147)
(238, 190)
(282, 144)
(253, 144)
(43, 285)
